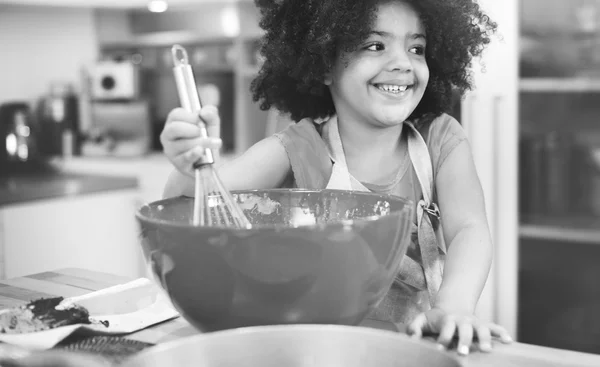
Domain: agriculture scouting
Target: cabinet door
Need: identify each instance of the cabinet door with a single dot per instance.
(489, 115)
(559, 231)
(151, 171)
(96, 232)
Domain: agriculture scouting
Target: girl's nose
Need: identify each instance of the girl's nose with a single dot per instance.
(399, 61)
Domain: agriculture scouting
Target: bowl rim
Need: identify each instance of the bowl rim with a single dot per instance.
(287, 332)
(409, 206)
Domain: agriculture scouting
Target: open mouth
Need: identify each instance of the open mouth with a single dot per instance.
(392, 88)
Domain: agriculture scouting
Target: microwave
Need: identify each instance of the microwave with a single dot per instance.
(112, 80)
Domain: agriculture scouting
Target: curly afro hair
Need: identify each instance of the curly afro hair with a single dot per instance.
(304, 37)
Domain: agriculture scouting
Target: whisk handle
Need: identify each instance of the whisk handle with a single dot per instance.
(188, 95)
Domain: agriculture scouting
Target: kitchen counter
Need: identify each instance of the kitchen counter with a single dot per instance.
(32, 186)
(75, 282)
(152, 170)
(44, 202)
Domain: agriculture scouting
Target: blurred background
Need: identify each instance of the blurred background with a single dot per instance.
(85, 87)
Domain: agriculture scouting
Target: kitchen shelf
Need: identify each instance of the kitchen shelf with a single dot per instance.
(165, 39)
(568, 229)
(198, 69)
(551, 85)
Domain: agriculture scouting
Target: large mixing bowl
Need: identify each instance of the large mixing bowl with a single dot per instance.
(325, 257)
(297, 346)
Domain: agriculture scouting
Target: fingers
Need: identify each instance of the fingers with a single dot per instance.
(465, 337)
(447, 333)
(457, 329)
(210, 116)
(186, 158)
(464, 330)
(182, 124)
(183, 140)
(485, 338)
(191, 156)
(178, 147)
(185, 161)
(501, 333)
(208, 113)
(179, 130)
(417, 326)
(180, 114)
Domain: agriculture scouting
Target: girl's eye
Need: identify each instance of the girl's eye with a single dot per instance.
(418, 50)
(375, 47)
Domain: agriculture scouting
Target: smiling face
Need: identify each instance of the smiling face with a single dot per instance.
(382, 81)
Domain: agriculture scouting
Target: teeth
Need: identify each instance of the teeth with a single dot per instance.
(392, 88)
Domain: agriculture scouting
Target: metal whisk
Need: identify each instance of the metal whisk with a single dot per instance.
(213, 204)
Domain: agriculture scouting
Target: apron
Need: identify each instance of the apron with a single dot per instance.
(421, 277)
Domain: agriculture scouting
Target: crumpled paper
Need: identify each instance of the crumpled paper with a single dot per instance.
(127, 307)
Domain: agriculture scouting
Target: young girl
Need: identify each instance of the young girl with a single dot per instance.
(368, 83)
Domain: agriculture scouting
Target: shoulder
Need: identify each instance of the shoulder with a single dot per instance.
(307, 153)
(444, 128)
(442, 135)
(304, 130)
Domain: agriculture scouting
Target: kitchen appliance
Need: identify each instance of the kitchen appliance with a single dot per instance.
(297, 346)
(58, 115)
(311, 256)
(114, 80)
(121, 129)
(19, 139)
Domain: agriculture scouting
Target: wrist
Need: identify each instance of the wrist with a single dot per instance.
(454, 303)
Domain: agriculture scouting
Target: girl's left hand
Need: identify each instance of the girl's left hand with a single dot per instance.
(466, 325)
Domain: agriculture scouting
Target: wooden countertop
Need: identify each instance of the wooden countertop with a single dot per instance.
(74, 282)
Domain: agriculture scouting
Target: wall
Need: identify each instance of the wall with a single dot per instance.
(112, 25)
(39, 45)
(208, 21)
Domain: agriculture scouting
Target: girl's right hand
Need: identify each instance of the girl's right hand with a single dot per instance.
(181, 138)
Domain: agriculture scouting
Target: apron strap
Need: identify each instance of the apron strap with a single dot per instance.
(419, 156)
(340, 177)
(411, 273)
(427, 212)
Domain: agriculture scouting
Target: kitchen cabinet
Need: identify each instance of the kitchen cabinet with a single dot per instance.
(559, 164)
(532, 124)
(560, 141)
(93, 231)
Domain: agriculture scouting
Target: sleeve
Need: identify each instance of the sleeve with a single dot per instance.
(307, 153)
(445, 134)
